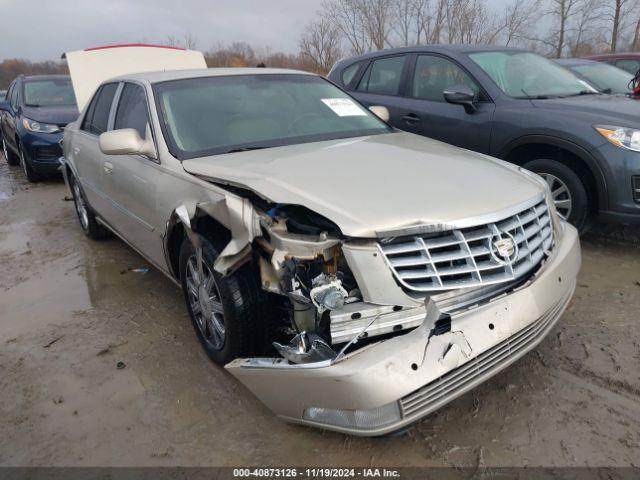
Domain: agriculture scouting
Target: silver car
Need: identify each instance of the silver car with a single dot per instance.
(352, 276)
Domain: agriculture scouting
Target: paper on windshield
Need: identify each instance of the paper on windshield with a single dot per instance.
(344, 107)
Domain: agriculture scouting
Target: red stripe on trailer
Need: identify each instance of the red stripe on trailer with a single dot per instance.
(125, 45)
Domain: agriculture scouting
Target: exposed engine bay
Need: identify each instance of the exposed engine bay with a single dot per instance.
(301, 259)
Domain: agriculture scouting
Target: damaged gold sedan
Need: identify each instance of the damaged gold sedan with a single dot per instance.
(353, 277)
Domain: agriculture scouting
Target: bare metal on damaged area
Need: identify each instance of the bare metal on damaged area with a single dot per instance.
(353, 277)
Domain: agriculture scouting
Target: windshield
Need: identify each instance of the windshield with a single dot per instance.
(528, 75)
(605, 78)
(49, 92)
(214, 115)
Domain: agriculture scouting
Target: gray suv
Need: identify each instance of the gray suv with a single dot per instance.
(517, 106)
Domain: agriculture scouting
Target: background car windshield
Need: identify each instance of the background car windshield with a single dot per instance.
(605, 77)
(213, 115)
(46, 93)
(522, 74)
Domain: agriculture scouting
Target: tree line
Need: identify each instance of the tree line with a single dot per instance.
(555, 28)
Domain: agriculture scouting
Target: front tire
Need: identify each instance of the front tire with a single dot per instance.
(11, 158)
(227, 312)
(567, 189)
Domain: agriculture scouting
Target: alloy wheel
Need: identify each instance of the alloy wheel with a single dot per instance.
(205, 303)
(81, 207)
(560, 194)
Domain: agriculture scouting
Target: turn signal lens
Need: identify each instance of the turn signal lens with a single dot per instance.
(355, 419)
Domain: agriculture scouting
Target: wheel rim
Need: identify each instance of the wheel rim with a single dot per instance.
(81, 208)
(204, 300)
(560, 194)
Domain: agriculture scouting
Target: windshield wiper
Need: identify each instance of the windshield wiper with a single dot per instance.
(533, 97)
(580, 93)
(243, 149)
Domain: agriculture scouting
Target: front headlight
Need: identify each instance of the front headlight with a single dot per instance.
(38, 127)
(622, 137)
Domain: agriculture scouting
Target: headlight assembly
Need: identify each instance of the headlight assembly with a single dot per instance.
(38, 127)
(622, 137)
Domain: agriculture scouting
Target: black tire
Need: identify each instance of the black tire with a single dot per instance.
(242, 300)
(86, 217)
(11, 158)
(579, 214)
(27, 168)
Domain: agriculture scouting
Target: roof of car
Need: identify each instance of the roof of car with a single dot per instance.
(156, 77)
(572, 62)
(454, 48)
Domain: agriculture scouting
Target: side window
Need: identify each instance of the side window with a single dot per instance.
(433, 75)
(631, 66)
(132, 109)
(348, 73)
(14, 96)
(383, 76)
(7, 96)
(97, 118)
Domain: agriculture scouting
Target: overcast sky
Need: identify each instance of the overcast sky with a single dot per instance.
(43, 29)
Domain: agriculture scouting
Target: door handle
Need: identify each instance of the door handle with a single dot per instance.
(411, 118)
(107, 167)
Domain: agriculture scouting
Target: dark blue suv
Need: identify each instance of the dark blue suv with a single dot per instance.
(33, 115)
(517, 106)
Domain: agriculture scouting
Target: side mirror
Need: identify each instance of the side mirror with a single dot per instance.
(461, 95)
(4, 106)
(126, 141)
(381, 112)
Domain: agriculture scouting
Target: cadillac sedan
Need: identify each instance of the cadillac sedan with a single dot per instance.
(352, 276)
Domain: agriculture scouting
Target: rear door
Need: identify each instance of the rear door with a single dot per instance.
(85, 150)
(131, 180)
(382, 84)
(424, 110)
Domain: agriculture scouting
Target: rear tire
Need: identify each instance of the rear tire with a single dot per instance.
(230, 321)
(27, 168)
(86, 217)
(567, 189)
(11, 158)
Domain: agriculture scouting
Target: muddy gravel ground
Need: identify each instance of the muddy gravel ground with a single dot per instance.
(71, 309)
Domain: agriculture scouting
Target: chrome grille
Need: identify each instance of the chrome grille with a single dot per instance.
(466, 257)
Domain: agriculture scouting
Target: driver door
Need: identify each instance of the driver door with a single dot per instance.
(424, 110)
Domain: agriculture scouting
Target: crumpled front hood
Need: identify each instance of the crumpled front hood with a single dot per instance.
(372, 184)
(60, 115)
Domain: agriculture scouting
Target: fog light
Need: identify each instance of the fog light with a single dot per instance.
(355, 419)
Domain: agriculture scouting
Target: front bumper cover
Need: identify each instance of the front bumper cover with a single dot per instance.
(388, 385)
